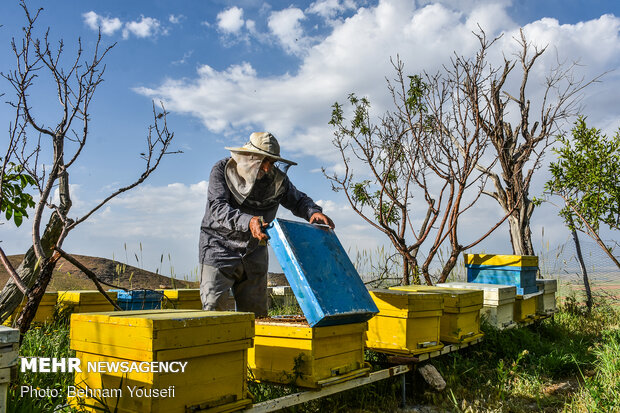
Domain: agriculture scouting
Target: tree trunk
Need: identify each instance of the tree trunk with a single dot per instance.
(405, 271)
(29, 269)
(35, 294)
(448, 266)
(584, 272)
(520, 233)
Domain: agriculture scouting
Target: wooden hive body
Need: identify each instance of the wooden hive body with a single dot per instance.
(85, 301)
(213, 344)
(408, 322)
(460, 321)
(546, 302)
(498, 308)
(182, 299)
(9, 352)
(517, 270)
(310, 357)
(525, 307)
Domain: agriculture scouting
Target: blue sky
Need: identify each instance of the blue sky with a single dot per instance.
(225, 69)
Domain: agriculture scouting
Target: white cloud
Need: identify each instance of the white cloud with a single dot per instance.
(328, 9)
(108, 25)
(176, 19)
(230, 20)
(285, 25)
(354, 57)
(145, 27)
(183, 60)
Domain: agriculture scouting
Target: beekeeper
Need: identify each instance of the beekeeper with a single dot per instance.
(244, 193)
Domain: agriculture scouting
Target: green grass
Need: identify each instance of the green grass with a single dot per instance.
(49, 340)
(568, 363)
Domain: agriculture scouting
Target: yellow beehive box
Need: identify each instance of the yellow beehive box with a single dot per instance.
(460, 321)
(525, 307)
(499, 301)
(85, 301)
(546, 301)
(189, 299)
(313, 357)
(213, 345)
(182, 299)
(501, 260)
(407, 323)
(45, 311)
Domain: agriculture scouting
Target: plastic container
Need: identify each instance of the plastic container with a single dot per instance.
(139, 299)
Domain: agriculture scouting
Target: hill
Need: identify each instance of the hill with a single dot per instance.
(68, 277)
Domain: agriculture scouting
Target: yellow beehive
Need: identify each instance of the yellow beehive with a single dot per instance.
(498, 301)
(546, 301)
(85, 301)
(460, 321)
(501, 260)
(288, 352)
(182, 299)
(213, 344)
(525, 307)
(45, 311)
(407, 323)
(189, 299)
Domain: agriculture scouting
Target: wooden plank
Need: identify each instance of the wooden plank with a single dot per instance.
(9, 355)
(306, 396)
(449, 349)
(4, 389)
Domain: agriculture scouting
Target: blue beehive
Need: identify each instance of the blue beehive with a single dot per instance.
(517, 270)
(327, 287)
(139, 299)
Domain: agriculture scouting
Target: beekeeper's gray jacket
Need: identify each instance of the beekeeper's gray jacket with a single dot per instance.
(225, 235)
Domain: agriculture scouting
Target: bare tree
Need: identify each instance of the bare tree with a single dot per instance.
(519, 147)
(427, 149)
(48, 156)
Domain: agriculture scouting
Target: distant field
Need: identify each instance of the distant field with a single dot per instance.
(607, 289)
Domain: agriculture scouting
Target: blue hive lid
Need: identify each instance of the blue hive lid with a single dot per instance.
(327, 287)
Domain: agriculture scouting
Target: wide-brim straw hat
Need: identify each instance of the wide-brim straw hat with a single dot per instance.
(262, 143)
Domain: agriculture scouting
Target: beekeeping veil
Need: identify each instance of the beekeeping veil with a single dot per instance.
(244, 178)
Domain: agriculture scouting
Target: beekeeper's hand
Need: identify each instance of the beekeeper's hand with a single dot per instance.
(256, 228)
(320, 218)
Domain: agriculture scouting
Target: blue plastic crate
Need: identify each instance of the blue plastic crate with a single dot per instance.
(139, 299)
(327, 287)
(524, 278)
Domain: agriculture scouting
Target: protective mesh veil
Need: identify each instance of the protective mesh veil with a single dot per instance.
(242, 178)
